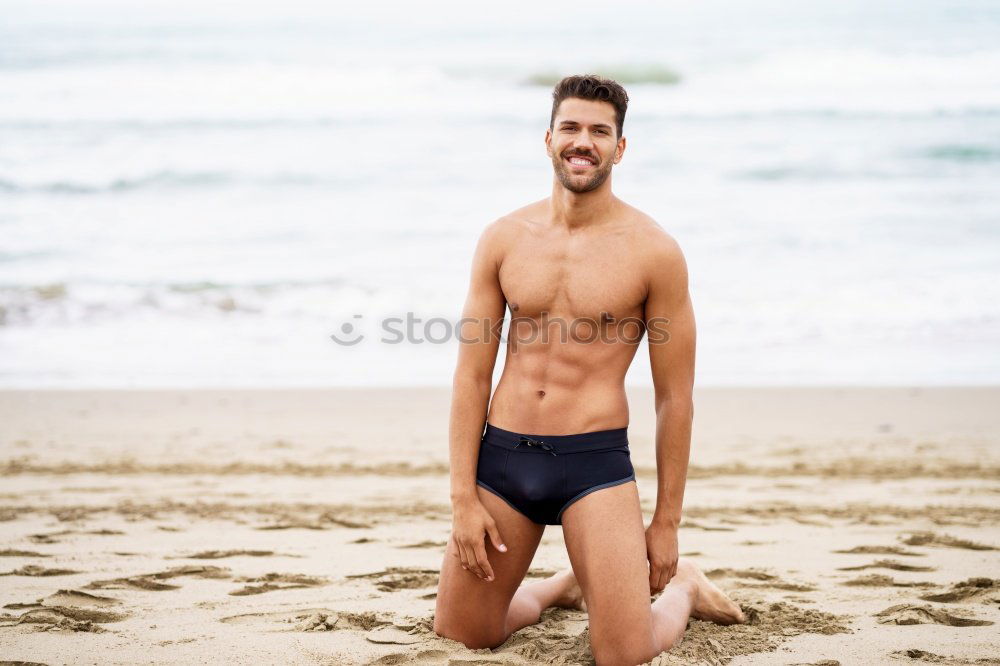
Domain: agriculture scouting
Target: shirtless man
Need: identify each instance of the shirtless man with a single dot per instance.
(596, 274)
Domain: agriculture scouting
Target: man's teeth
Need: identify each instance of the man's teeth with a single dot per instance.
(579, 160)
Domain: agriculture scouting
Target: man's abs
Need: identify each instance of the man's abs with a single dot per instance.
(569, 402)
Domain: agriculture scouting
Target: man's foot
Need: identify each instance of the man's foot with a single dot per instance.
(712, 604)
(572, 595)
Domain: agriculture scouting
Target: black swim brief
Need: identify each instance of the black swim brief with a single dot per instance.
(542, 475)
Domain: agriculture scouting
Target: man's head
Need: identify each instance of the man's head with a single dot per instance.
(585, 138)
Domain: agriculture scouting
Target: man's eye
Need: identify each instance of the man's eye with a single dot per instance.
(602, 131)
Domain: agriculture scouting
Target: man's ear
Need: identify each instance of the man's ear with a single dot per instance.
(548, 142)
(620, 150)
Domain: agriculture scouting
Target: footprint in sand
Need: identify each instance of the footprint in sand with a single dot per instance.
(293, 525)
(881, 580)
(72, 513)
(132, 582)
(153, 581)
(402, 578)
(391, 635)
(432, 657)
(36, 570)
(68, 610)
(426, 544)
(276, 581)
(913, 654)
(11, 552)
(59, 618)
(219, 554)
(78, 599)
(909, 613)
(324, 521)
(934, 539)
(887, 564)
(973, 589)
(770, 580)
(880, 550)
(740, 573)
(49, 537)
(811, 521)
(305, 619)
(387, 627)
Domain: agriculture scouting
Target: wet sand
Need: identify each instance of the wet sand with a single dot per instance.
(853, 525)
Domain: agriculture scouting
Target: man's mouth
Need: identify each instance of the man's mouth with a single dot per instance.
(581, 161)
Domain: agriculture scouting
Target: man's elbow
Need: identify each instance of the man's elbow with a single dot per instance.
(677, 406)
(472, 378)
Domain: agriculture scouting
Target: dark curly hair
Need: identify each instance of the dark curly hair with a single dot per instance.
(594, 87)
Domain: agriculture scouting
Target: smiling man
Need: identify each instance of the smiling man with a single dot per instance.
(584, 275)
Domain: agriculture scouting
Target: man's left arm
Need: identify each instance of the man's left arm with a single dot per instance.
(670, 326)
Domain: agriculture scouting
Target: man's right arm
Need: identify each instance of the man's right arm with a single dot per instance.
(482, 322)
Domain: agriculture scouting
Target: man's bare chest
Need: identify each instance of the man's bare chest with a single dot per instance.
(593, 280)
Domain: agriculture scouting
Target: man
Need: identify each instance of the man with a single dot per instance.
(555, 450)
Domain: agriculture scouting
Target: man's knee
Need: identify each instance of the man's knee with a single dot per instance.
(619, 652)
(474, 638)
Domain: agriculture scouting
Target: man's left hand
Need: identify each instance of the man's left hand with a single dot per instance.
(661, 551)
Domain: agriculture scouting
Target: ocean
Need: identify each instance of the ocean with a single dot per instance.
(198, 194)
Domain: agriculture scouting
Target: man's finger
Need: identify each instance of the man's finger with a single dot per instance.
(495, 538)
(475, 563)
(464, 556)
(484, 562)
(664, 577)
(470, 553)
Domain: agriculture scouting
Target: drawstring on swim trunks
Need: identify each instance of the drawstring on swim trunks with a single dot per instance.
(535, 442)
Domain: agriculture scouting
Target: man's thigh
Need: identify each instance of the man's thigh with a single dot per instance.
(606, 541)
(468, 607)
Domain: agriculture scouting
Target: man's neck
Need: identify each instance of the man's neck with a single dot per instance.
(575, 211)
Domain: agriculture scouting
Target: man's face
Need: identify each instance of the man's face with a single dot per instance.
(583, 144)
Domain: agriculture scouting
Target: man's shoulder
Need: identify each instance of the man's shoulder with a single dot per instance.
(510, 224)
(528, 214)
(651, 237)
(659, 253)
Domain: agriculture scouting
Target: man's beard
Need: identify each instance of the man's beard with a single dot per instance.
(571, 182)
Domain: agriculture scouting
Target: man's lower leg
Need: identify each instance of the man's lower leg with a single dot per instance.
(532, 598)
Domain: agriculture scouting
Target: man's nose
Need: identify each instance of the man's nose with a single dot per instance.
(583, 142)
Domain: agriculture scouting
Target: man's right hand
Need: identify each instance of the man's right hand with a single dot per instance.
(471, 523)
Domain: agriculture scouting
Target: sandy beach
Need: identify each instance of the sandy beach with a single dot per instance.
(853, 525)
